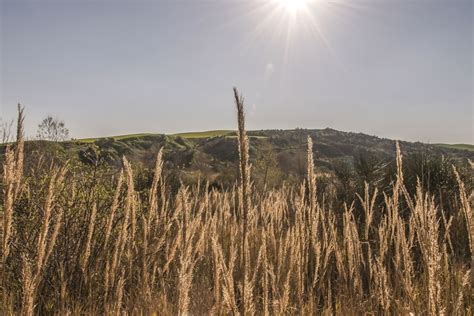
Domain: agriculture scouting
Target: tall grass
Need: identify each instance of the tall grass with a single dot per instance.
(72, 246)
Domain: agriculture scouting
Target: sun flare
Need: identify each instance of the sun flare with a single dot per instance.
(293, 6)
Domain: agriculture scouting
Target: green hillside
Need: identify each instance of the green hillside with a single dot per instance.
(457, 146)
(275, 155)
(119, 137)
(205, 134)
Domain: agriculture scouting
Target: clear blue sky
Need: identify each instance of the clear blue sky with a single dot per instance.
(398, 69)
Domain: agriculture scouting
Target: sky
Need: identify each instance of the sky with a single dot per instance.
(401, 69)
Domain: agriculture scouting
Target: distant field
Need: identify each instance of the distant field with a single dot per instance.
(209, 134)
(205, 134)
(119, 137)
(457, 146)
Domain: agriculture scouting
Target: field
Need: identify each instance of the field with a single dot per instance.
(81, 237)
(188, 135)
(205, 134)
(191, 135)
(120, 137)
(458, 146)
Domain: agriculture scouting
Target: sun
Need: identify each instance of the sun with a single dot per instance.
(293, 6)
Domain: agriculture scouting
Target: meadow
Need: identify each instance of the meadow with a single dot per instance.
(458, 146)
(88, 240)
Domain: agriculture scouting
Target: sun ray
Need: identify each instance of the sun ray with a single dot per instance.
(318, 34)
(278, 24)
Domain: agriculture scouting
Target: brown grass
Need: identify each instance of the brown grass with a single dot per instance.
(72, 247)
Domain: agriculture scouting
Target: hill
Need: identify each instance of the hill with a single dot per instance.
(457, 146)
(276, 155)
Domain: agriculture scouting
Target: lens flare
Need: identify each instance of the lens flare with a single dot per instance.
(293, 6)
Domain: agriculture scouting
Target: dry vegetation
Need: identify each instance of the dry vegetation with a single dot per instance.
(70, 246)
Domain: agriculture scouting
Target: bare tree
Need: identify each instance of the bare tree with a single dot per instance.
(52, 129)
(5, 131)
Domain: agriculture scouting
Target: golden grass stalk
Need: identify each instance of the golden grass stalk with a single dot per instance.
(19, 152)
(311, 177)
(12, 182)
(123, 232)
(152, 199)
(244, 188)
(113, 210)
(8, 200)
(90, 232)
(467, 211)
(42, 245)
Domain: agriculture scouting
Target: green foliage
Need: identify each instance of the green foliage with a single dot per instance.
(468, 147)
(212, 155)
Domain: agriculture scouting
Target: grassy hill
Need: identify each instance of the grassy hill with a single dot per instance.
(120, 137)
(457, 146)
(213, 155)
(205, 134)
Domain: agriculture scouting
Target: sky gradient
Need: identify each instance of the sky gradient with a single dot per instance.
(400, 69)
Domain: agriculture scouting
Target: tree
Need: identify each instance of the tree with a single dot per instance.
(52, 129)
(266, 168)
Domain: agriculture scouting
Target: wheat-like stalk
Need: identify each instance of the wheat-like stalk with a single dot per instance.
(113, 210)
(244, 188)
(311, 177)
(90, 232)
(466, 208)
(12, 182)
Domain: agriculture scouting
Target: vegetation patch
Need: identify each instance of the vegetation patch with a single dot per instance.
(457, 146)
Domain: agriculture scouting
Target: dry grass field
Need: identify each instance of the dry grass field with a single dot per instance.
(81, 243)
